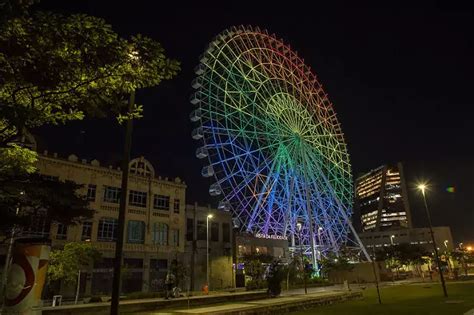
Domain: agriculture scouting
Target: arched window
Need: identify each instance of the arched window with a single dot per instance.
(141, 167)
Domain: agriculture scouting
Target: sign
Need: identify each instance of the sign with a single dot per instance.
(271, 237)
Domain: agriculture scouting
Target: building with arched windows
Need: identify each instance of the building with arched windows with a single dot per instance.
(154, 227)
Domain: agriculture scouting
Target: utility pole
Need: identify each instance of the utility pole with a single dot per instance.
(375, 276)
(114, 308)
(422, 187)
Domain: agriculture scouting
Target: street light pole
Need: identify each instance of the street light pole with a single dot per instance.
(299, 226)
(422, 187)
(391, 239)
(209, 216)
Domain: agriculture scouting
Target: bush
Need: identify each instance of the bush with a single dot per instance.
(275, 277)
(255, 284)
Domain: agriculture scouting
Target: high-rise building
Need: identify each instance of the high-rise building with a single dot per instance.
(381, 197)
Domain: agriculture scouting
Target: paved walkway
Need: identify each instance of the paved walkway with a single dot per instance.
(286, 302)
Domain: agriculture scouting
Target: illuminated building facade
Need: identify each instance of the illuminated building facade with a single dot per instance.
(154, 222)
(381, 198)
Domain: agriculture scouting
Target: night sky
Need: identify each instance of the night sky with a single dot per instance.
(400, 79)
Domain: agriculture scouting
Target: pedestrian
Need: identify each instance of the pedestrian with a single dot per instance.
(169, 284)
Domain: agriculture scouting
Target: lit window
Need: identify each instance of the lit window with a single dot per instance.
(62, 232)
(175, 237)
(261, 250)
(38, 226)
(161, 202)
(137, 198)
(243, 250)
(136, 232)
(86, 230)
(107, 230)
(160, 233)
(91, 192)
(111, 194)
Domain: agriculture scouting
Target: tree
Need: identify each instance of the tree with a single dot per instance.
(463, 257)
(332, 262)
(26, 197)
(293, 270)
(56, 68)
(255, 267)
(65, 264)
(180, 272)
(396, 256)
(275, 276)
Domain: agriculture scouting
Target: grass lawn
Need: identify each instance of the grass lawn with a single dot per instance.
(406, 299)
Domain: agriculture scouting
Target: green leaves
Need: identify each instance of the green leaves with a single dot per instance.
(65, 264)
(135, 113)
(59, 202)
(53, 69)
(15, 159)
(402, 254)
(56, 68)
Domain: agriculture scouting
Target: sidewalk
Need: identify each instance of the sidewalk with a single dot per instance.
(280, 305)
(195, 302)
(144, 305)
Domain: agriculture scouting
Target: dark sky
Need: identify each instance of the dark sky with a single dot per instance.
(400, 78)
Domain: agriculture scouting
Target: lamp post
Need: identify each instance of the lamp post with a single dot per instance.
(422, 188)
(209, 216)
(299, 227)
(391, 239)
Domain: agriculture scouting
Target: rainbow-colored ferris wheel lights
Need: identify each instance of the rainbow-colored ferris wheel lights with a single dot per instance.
(272, 141)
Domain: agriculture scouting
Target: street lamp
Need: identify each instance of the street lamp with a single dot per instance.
(299, 227)
(391, 239)
(423, 188)
(446, 244)
(209, 216)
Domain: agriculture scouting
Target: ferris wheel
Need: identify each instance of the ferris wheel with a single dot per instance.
(272, 142)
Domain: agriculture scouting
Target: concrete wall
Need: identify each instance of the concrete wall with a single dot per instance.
(220, 251)
(362, 273)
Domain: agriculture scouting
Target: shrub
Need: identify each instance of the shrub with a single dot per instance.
(275, 276)
(255, 284)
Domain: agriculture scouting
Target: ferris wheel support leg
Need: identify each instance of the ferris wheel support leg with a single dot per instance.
(346, 218)
(362, 247)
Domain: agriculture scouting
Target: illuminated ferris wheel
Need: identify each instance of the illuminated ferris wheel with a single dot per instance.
(272, 141)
